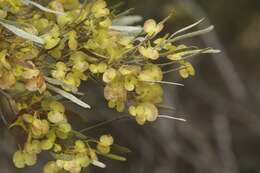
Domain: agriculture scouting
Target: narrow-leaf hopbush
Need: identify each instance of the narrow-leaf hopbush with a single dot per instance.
(49, 48)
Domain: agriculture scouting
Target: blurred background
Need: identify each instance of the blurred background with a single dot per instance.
(221, 103)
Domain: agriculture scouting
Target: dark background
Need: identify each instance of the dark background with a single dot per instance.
(221, 104)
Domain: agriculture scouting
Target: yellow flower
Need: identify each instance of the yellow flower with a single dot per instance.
(162, 43)
(72, 166)
(57, 6)
(64, 127)
(109, 75)
(144, 112)
(51, 167)
(30, 159)
(3, 60)
(72, 42)
(80, 146)
(41, 24)
(175, 57)
(186, 70)
(79, 61)
(151, 73)
(30, 73)
(115, 92)
(149, 93)
(149, 52)
(126, 41)
(57, 106)
(71, 80)
(106, 140)
(19, 159)
(130, 81)
(69, 4)
(7, 79)
(99, 9)
(32, 147)
(105, 23)
(60, 71)
(52, 38)
(39, 127)
(103, 149)
(57, 51)
(56, 117)
(50, 42)
(129, 69)
(98, 68)
(36, 84)
(152, 28)
(46, 144)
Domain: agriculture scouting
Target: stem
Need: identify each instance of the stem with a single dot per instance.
(103, 123)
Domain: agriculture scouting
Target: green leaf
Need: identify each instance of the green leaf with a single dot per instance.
(68, 96)
(120, 149)
(28, 2)
(115, 157)
(187, 27)
(128, 30)
(21, 33)
(192, 34)
(62, 84)
(11, 23)
(127, 20)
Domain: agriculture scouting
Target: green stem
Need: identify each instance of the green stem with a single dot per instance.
(103, 123)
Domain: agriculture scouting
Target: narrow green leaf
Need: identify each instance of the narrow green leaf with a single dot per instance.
(11, 23)
(128, 30)
(120, 149)
(163, 82)
(22, 33)
(192, 34)
(115, 157)
(62, 84)
(171, 118)
(127, 20)
(187, 27)
(28, 2)
(68, 96)
(98, 164)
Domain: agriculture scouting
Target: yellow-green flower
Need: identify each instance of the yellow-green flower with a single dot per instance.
(149, 52)
(186, 70)
(99, 9)
(51, 39)
(69, 4)
(51, 167)
(79, 61)
(144, 112)
(60, 71)
(7, 79)
(19, 159)
(72, 42)
(109, 75)
(152, 28)
(151, 73)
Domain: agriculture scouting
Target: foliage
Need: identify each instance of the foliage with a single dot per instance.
(53, 46)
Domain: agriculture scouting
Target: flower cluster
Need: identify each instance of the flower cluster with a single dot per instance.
(51, 47)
